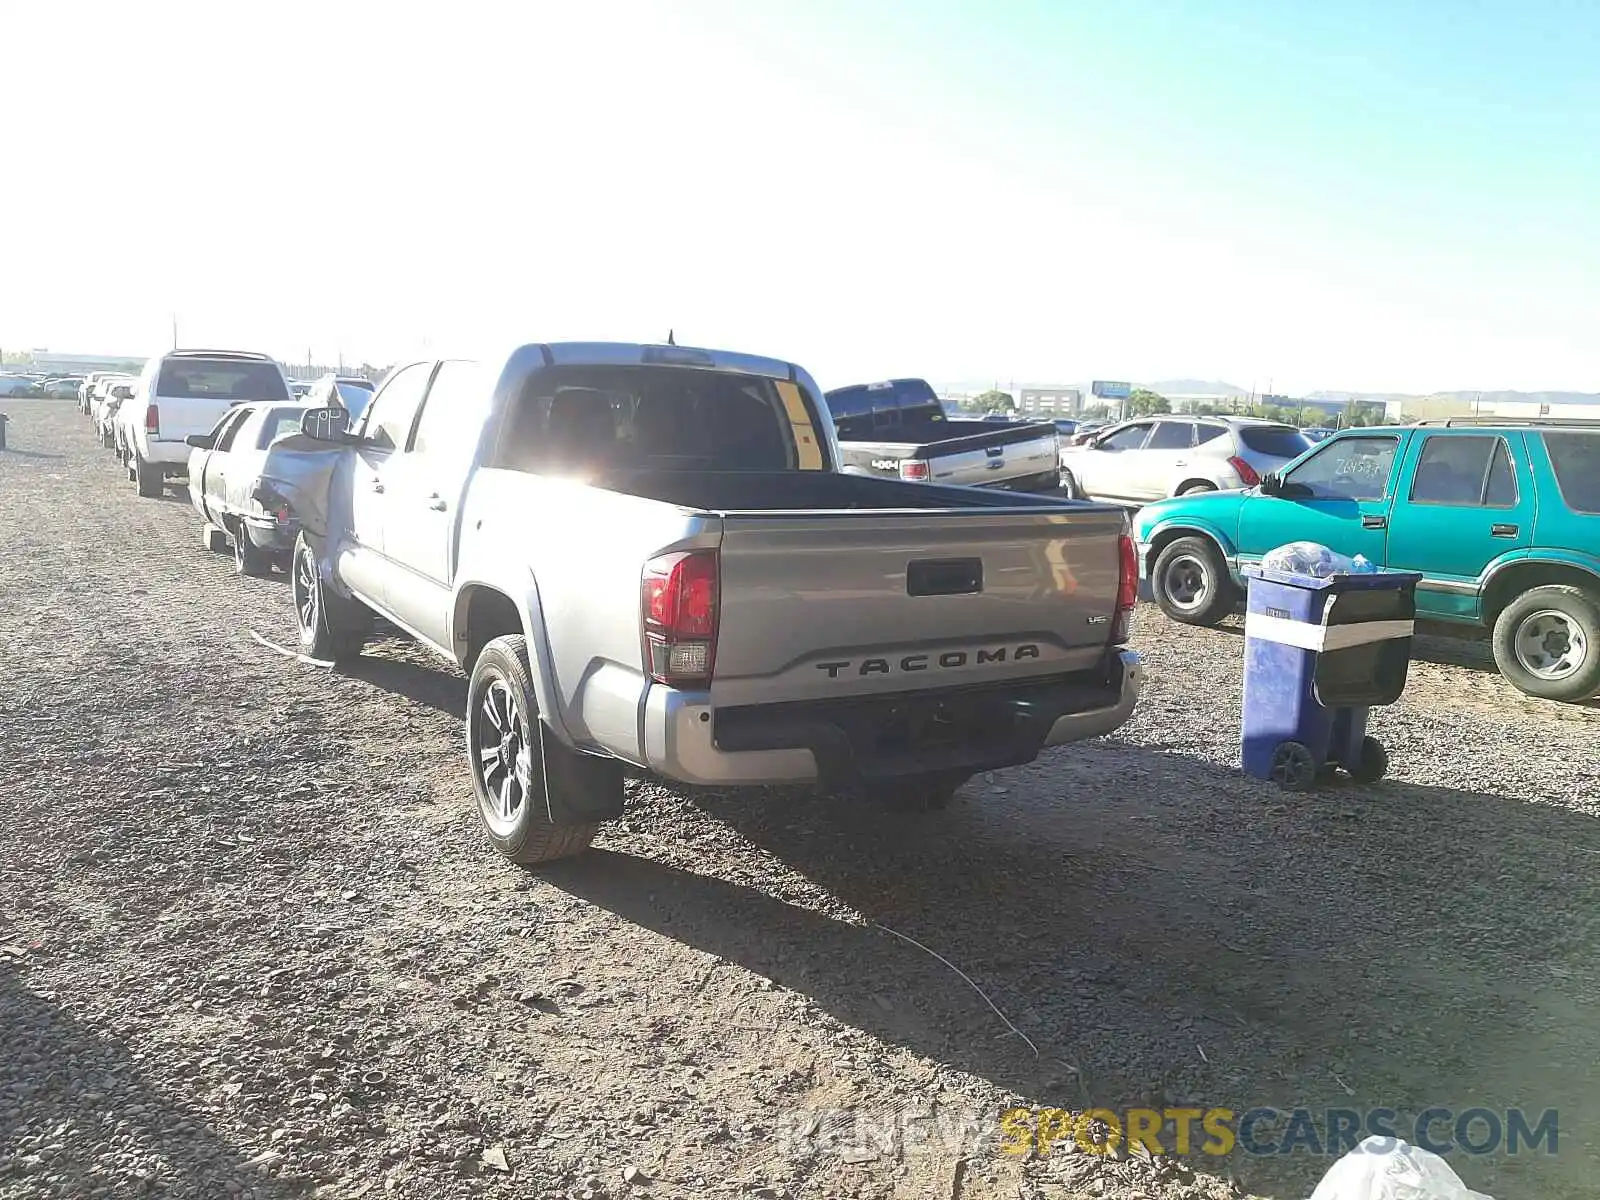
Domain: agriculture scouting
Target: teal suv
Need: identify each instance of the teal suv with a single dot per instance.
(1502, 520)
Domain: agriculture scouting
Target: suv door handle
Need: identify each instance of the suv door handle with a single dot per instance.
(1504, 531)
(377, 485)
(1371, 522)
(1182, 462)
(436, 502)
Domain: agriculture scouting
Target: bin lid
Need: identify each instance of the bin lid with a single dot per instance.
(1352, 581)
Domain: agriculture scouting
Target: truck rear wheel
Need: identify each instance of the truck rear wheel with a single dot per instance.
(505, 745)
(922, 793)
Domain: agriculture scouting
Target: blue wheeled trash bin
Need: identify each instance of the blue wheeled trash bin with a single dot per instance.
(1318, 654)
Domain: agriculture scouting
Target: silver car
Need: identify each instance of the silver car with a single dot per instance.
(1155, 457)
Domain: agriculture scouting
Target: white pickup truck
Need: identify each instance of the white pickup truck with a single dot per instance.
(648, 558)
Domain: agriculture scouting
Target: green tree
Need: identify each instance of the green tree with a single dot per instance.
(1145, 403)
(995, 400)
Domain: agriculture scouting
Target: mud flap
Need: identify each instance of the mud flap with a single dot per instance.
(579, 788)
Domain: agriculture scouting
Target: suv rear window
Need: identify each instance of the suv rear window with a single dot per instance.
(221, 379)
(1575, 455)
(574, 418)
(1278, 441)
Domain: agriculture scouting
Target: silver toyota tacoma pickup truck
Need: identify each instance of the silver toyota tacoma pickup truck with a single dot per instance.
(647, 558)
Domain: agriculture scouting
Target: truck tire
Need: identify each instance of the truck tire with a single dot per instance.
(332, 627)
(1547, 642)
(507, 763)
(1069, 486)
(247, 560)
(149, 480)
(1190, 582)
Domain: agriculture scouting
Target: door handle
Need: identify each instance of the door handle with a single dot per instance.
(377, 485)
(1374, 522)
(436, 502)
(1503, 531)
(1182, 462)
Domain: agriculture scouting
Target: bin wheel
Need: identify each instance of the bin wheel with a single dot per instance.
(1373, 764)
(1293, 767)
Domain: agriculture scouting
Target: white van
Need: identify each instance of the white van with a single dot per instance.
(184, 392)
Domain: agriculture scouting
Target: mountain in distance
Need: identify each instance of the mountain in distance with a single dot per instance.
(1467, 397)
(1195, 387)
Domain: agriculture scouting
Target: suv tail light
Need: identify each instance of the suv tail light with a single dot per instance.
(1127, 590)
(678, 604)
(914, 468)
(1247, 473)
(152, 420)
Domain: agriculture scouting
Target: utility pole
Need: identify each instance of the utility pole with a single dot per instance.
(174, 331)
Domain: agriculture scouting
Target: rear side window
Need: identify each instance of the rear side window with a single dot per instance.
(1208, 433)
(576, 419)
(221, 379)
(1275, 441)
(230, 436)
(1172, 435)
(1575, 455)
(1464, 470)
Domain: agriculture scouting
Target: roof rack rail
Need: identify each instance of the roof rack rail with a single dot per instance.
(242, 355)
(1469, 422)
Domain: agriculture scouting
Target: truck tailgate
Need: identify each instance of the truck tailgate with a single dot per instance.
(994, 456)
(845, 603)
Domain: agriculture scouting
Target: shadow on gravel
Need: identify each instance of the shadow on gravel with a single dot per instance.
(1169, 932)
(429, 685)
(11, 452)
(78, 1120)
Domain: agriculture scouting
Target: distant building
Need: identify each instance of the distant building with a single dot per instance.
(1050, 401)
(82, 364)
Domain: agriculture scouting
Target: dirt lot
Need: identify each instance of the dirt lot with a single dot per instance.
(252, 942)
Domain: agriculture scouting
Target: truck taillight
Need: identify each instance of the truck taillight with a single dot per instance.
(914, 468)
(1247, 473)
(1127, 589)
(678, 604)
(152, 420)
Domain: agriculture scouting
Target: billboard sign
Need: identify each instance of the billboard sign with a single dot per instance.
(1109, 389)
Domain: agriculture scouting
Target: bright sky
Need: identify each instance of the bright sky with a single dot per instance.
(1368, 194)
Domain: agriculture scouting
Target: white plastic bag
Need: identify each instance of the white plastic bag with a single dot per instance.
(1314, 559)
(1391, 1169)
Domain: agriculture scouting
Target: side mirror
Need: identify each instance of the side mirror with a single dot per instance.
(331, 424)
(200, 441)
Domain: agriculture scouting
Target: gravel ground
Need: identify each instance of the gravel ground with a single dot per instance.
(252, 942)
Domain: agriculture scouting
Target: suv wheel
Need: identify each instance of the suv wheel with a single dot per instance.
(1547, 642)
(1191, 583)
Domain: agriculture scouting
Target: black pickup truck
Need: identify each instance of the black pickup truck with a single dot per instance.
(898, 428)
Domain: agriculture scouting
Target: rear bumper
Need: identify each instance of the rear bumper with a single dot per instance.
(173, 457)
(883, 738)
(269, 533)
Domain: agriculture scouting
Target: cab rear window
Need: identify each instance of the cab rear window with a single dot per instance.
(577, 419)
(221, 379)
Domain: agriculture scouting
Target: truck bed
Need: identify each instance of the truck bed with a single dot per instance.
(839, 585)
(763, 491)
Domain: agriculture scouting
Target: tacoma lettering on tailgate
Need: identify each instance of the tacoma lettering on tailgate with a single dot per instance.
(948, 660)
